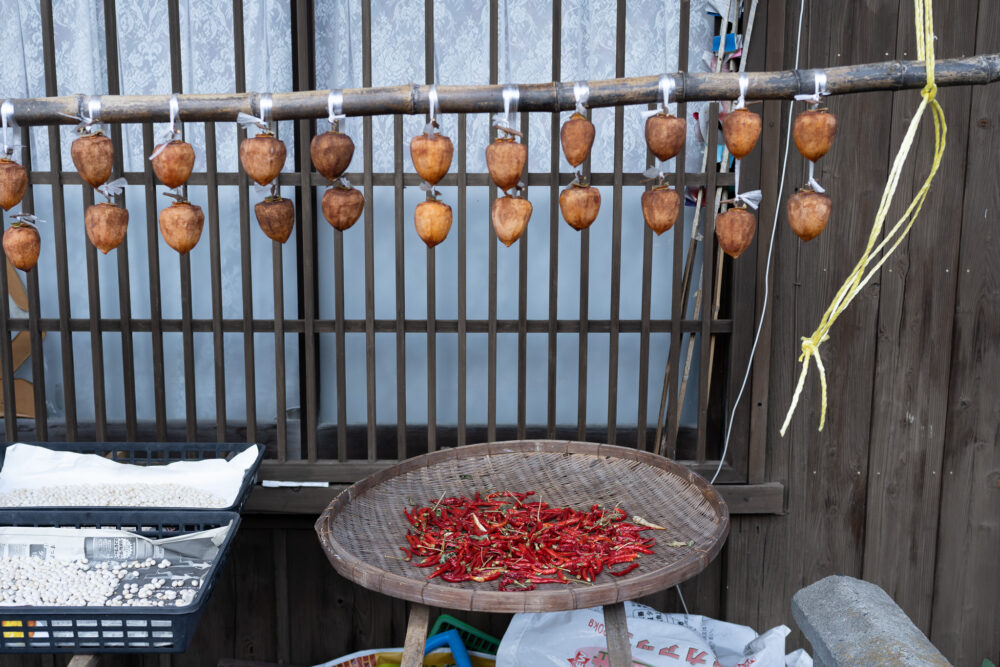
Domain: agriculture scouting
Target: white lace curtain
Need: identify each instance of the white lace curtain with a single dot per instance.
(461, 57)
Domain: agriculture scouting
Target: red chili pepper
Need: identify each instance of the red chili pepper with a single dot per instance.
(455, 577)
(501, 536)
(625, 571)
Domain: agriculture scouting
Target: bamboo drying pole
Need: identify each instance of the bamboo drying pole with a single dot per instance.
(412, 99)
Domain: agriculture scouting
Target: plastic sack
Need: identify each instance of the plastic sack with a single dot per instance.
(658, 640)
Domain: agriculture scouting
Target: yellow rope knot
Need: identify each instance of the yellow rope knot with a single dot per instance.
(862, 272)
(810, 346)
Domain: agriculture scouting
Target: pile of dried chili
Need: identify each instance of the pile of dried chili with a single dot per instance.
(523, 544)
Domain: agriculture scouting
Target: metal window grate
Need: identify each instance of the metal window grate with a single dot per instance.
(350, 444)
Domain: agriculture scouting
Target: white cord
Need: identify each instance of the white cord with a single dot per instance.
(767, 269)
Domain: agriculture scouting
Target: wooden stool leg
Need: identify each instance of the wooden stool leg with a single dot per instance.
(619, 646)
(84, 661)
(416, 636)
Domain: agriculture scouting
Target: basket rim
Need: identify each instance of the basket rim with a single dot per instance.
(452, 596)
(246, 486)
(220, 517)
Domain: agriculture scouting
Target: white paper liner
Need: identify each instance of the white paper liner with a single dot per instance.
(34, 467)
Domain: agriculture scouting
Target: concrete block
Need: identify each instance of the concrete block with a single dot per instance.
(854, 622)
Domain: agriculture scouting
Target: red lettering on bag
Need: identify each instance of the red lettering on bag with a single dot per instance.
(695, 659)
(644, 645)
(669, 651)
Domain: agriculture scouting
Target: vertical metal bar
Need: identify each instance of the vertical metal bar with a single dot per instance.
(366, 76)
(461, 392)
(59, 226)
(644, 327)
(280, 402)
(616, 234)
(550, 429)
(187, 335)
(397, 180)
(245, 267)
(491, 373)
(338, 305)
(124, 289)
(190, 403)
(34, 310)
(7, 362)
(581, 389)
(218, 341)
(96, 340)
(707, 268)
(431, 272)
(677, 298)
(155, 305)
(522, 306)
(306, 76)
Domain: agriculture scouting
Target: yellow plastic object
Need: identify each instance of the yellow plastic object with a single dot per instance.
(395, 658)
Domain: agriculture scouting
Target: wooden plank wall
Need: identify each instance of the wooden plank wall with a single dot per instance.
(903, 486)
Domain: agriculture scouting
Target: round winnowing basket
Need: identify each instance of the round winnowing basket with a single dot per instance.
(363, 528)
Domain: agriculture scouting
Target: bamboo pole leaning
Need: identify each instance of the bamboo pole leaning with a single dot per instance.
(557, 96)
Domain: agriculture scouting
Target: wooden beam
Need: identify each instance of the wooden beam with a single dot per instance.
(556, 96)
(740, 498)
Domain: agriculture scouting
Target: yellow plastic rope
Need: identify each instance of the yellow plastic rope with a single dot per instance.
(862, 273)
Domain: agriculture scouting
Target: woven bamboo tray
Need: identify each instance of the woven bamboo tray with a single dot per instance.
(363, 528)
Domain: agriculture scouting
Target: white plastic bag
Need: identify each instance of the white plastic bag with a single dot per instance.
(658, 640)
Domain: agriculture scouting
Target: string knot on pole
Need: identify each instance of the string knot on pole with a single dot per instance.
(8, 126)
(172, 132)
(261, 122)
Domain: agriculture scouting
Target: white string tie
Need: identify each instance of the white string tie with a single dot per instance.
(667, 86)
(752, 198)
(819, 82)
(428, 188)
(260, 122)
(813, 183)
(510, 97)
(432, 101)
(741, 101)
(335, 108)
(27, 219)
(581, 94)
(171, 132)
(89, 117)
(655, 172)
(112, 188)
(8, 125)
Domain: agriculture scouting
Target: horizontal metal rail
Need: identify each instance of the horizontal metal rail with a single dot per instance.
(139, 325)
(412, 99)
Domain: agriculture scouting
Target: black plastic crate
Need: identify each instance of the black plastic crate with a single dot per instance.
(113, 629)
(154, 453)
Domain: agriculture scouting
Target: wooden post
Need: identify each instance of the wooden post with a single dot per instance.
(84, 661)
(616, 630)
(416, 636)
